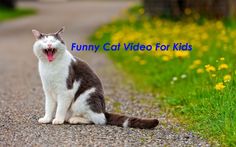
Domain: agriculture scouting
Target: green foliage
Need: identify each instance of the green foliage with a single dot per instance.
(6, 14)
(197, 87)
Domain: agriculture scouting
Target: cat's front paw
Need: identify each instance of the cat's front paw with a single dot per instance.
(44, 120)
(57, 121)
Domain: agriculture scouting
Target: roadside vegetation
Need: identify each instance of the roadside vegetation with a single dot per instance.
(6, 13)
(197, 86)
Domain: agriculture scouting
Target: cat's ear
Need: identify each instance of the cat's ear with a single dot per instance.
(59, 32)
(36, 34)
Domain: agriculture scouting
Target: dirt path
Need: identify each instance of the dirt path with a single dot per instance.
(21, 96)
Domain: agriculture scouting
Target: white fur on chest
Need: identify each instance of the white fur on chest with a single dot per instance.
(55, 74)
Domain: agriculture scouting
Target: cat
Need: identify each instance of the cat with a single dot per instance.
(73, 92)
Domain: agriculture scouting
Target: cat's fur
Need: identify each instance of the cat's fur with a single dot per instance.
(73, 92)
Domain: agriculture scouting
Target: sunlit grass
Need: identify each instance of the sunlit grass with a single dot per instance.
(6, 14)
(198, 87)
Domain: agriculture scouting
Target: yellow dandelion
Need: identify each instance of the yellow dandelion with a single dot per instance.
(219, 86)
(197, 62)
(222, 59)
(181, 54)
(165, 58)
(210, 68)
(200, 70)
(136, 58)
(227, 78)
(142, 62)
(219, 25)
(223, 66)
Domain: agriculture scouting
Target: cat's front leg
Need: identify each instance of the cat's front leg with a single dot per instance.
(62, 108)
(50, 105)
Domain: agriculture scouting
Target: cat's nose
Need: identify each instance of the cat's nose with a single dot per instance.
(49, 45)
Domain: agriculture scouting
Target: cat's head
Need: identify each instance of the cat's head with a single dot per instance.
(49, 47)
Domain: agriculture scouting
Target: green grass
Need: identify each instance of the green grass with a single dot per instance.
(192, 99)
(7, 14)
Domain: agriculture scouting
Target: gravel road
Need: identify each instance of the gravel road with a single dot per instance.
(21, 95)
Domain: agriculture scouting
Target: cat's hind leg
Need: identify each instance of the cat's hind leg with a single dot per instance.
(79, 120)
(74, 118)
(97, 118)
(91, 104)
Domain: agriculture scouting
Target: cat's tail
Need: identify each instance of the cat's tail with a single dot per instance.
(132, 122)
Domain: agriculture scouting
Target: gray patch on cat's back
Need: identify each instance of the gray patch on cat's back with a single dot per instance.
(79, 70)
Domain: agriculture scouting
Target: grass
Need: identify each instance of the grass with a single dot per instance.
(197, 86)
(7, 14)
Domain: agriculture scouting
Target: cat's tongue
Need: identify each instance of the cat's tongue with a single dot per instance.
(50, 55)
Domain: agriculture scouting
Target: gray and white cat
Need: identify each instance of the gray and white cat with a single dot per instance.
(73, 92)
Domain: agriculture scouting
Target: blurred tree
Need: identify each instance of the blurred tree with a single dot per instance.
(8, 3)
(177, 8)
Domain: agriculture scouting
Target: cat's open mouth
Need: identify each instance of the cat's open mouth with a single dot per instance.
(50, 52)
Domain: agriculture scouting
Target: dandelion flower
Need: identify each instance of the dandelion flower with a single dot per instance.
(165, 58)
(174, 78)
(219, 25)
(200, 70)
(219, 86)
(142, 62)
(183, 76)
(181, 54)
(136, 58)
(197, 62)
(227, 78)
(213, 75)
(223, 66)
(222, 59)
(210, 68)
